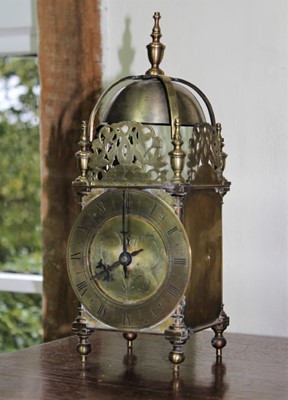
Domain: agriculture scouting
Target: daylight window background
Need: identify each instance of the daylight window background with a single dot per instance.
(20, 226)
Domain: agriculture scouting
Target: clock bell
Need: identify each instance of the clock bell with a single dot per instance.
(145, 254)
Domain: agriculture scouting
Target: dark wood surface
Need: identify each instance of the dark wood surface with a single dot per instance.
(253, 367)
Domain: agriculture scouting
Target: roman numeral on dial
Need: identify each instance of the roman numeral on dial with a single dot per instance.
(153, 209)
(82, 287)
(180, 260)
(101, 206)
(127, 199)
(75, 256)
(126, 319)
(173, 290)
(172, 230)
(102, 310)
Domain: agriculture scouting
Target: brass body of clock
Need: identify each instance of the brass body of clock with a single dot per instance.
(145, 253)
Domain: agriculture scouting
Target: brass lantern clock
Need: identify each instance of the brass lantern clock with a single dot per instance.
(145, 253)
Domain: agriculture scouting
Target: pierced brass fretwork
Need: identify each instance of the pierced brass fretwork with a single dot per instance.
(206, 160)
(127, 152)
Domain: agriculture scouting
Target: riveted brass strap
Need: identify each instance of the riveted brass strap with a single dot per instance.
(171, 101)
(202, 95)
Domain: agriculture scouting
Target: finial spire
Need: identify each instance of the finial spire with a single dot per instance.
(155, 48)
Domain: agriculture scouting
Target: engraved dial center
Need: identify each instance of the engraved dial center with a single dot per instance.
(127, 277)
(125, 259)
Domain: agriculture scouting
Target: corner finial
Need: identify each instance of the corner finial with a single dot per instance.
(155, 48)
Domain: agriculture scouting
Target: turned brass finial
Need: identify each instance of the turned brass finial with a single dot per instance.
(221, 143)
(83, 154)
(155, 48)
(177, 155)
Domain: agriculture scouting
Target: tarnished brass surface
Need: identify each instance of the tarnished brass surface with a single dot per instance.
(146, 100)
(131, 225)
(203, 224)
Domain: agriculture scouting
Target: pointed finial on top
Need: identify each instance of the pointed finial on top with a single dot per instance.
(155, 48)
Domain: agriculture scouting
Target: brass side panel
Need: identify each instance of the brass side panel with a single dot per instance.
(203, 223)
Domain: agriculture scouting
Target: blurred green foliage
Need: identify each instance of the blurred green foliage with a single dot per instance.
(20, 321)
(20, 225)
(20, 236)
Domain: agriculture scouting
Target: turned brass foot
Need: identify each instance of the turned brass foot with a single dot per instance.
(177, 334)
(130, 337)
(219, 341)
(83, 332)
(84, 346)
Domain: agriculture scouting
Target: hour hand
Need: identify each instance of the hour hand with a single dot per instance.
(105, 273)
(115, 264)
(134, 253)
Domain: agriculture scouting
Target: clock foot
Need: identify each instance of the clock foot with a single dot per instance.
(176, 356)
(83, 347)
(81, 329)
(219, 340)
(177, 334)
(130, 337)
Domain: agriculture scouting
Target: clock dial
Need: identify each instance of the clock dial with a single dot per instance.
(134, 275)
(129, 259)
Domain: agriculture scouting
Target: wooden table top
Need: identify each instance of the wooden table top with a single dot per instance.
(253, 367)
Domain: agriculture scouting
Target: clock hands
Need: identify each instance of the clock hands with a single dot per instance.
(125, 258)
(105, 274)
(124, 223)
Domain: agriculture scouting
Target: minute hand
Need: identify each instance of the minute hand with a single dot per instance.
(124, 231)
